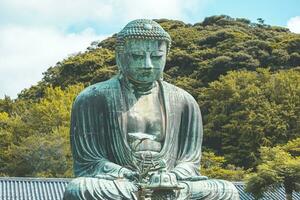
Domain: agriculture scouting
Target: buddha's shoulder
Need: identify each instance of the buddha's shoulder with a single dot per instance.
(98, 90)
(174, 90)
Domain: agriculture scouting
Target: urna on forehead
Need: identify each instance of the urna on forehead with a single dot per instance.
(144, 29)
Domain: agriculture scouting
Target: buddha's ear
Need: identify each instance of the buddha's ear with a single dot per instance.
(118, 62)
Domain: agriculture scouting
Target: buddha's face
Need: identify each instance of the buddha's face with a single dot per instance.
(143, 61)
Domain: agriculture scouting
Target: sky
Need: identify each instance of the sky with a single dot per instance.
(36, 34)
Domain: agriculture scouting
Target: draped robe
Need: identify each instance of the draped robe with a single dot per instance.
(100, 149)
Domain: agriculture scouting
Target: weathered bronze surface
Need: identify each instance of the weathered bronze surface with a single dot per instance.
(136, 136)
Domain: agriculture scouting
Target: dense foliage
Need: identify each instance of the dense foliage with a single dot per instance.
(35, 135)
(273, 171)
(245, 110)
(245, 77)
(216, 167)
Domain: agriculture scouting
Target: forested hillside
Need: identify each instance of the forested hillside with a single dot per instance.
(245, 77)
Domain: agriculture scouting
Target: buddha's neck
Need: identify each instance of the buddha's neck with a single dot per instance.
(139, 88)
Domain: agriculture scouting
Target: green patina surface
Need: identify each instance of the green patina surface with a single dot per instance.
(136, 136)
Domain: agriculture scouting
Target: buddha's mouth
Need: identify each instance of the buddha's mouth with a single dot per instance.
(143, 80)
(146, 73)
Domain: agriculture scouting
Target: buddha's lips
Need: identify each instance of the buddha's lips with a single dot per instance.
(147, 72)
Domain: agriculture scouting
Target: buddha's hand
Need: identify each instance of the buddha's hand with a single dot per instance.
(188, 177)
(193, 178)
(129, 174)
(197, 178)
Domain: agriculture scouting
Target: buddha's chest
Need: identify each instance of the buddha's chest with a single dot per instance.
(145, 123)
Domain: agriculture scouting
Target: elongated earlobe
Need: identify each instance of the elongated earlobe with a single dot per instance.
(118, 62)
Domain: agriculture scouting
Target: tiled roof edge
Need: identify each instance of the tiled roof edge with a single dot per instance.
(34, 179)
(68, 179)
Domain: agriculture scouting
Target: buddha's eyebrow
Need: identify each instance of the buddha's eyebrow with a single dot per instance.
(158, 50)
(138, 51)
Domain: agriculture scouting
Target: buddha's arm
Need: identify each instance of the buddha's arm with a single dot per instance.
(190, 140)
(91, 154)
(187, 171)
(110, 170)
(91, 138)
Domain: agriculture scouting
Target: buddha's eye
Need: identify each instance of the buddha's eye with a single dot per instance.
(157, 55)
(137, 56)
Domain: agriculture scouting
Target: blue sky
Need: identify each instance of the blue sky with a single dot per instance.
(35, 34)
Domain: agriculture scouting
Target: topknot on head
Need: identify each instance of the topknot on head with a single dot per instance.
(142, 29)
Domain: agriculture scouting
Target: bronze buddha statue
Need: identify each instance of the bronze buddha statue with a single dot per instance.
(136, 126)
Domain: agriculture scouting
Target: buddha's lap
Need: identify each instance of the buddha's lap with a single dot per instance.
(86, 188)
(210, 189)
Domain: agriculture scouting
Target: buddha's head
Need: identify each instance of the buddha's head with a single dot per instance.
(141, 51)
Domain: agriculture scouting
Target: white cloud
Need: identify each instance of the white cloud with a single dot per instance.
(294, 24)
(66, 12)
(126, 10)
(150, 9)
(34, 33)
(27, 52)
(55, 12)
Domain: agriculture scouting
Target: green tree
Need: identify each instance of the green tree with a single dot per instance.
(215, 166)
(41, 156)
(246, 110)
(36, 137)
(274, 171)
(261, 21)
(52, 111)
(6, 139)
(6, 104)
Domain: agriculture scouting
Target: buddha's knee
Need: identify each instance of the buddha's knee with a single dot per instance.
(226, 186)
(75, 190)
(86, 188)
(212, 189)
(222, 189)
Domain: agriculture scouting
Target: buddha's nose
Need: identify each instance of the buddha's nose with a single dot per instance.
(148, 62)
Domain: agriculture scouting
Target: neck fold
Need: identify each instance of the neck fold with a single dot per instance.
(137, 88)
